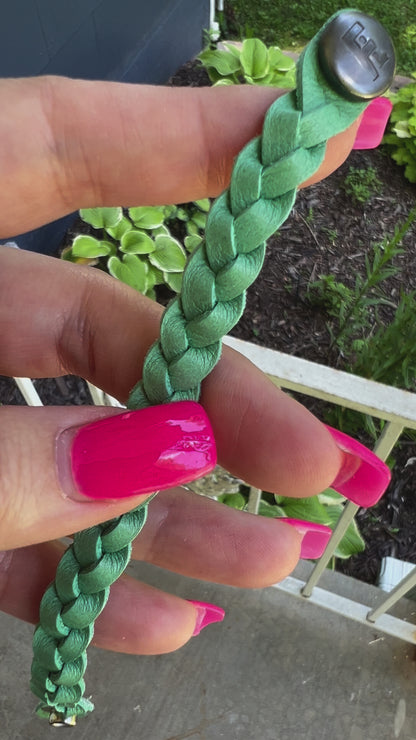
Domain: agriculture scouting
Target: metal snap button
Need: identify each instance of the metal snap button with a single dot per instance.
(357, 55)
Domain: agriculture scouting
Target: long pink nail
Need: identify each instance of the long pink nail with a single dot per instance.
(373, 123)
(136, 452)
(206, 614)
(363, 477)
(315, 537)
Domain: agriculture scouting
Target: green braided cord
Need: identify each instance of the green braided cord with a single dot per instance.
(265, 178)
(69, 608)
(263, 188)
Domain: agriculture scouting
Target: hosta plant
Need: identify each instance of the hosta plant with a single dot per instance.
(401, 135)
(253, 63)
(137, 246)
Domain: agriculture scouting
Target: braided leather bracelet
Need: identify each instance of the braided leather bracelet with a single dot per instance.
(349, 62)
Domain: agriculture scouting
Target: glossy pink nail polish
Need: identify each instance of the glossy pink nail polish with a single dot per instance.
(373, 123)
(206, 614)
(363, 477)
(315, 537)
(136, 452)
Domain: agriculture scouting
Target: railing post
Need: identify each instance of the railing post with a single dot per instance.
(343, 523)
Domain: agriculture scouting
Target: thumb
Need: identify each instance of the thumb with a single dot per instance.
(66, 469)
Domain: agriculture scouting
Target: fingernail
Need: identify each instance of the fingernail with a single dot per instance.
(136, 452)
(363, 477)
(206, 614)
(373, 123)
(315, 537)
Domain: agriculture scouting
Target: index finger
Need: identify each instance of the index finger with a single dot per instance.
(78, 144)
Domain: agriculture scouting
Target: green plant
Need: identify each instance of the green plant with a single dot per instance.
(385, 353)
(325, 508)
(293, 24)
(137, 246)
(332, 234)
(349, 306)
(401, 135)
(389, 355)
(361, 184)
(253, 63)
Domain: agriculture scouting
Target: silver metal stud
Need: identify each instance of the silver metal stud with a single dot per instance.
(357, 56)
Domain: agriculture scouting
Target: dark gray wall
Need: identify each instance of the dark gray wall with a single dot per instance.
(128, 40)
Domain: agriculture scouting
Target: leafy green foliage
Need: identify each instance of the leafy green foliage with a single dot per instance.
(254, 64)
(137, 247)
(350, 306)
(401, 135)
(361, 184)
(389, 355)
(293, 24)
(370, 348)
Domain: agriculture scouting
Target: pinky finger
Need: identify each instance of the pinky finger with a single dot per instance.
(138, 618)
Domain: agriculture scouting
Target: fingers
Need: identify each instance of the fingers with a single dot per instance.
(187, 533)
(89, 144)
(34, 506)
(102, 332)
(200, 538)
(137, 618)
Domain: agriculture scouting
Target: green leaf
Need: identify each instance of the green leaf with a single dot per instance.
(137, 242)
(89, 247)
(155, 276)
(224, 62)
(200, 219)
(67, 255)
(161, 230)
(401, 129)
(255, 58)
(235, 500)
(147, 217)
(280, 61)
(204, 204)
(233, 49)
(266, 509)
(131, 270)
(173, 280)
(169, 255)
(305, 508)
(192, 229)
(116, 232)
(224, 82)
(101, 218)
(352, 542)
(182, 214)
(329, 497)
(192, 242)
(169, 211)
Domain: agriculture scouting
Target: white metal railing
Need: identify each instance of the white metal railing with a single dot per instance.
(396, 407)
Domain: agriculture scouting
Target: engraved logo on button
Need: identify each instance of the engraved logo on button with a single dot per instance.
(365, 48)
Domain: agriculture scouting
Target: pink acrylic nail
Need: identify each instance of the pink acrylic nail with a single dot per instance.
(315, 537)
(206, 614)
(136, 452)
(363, 477)
(373, 123)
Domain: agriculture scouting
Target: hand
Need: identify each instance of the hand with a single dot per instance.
(68, 144)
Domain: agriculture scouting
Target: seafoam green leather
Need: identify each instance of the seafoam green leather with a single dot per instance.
(263, 188)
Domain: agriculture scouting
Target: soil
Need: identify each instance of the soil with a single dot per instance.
(328, 232)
